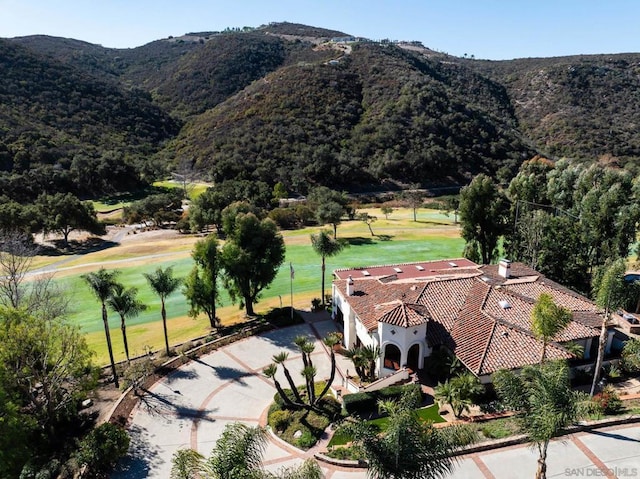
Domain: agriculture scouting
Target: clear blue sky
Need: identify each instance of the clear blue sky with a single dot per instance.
(492, 29)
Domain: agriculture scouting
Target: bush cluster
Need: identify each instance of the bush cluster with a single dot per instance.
(365, 403)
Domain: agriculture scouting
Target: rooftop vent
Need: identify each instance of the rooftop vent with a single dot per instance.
(419, 268)
(365, 273)
(504, 304)
(452, 264)
(397, 270)
(486, 279)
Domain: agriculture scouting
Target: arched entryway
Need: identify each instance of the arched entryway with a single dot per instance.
(413, 358)
(392, 357)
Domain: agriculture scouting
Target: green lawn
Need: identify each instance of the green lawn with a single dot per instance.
(86, 309)
(430, 413)
(400, 240)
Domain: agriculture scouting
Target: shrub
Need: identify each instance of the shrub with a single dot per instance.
(315, 304)
(281, 317)
(307, 440)
(101, 449)
(608, 401)
(279, 420)
(285, 218)
(359, 403)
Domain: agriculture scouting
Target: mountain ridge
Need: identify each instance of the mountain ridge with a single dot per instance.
(282, 102)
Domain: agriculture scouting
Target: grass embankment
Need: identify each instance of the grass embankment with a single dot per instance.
(398, 239)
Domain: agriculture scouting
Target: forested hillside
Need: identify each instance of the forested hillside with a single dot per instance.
(63, 130)
(580, 107)
(282, 103)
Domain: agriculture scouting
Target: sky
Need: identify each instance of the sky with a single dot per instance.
(486, 29)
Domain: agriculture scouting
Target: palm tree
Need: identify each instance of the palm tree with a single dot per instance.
(163, 283)
(331, 340)
(544, 403)
(325, 246)
(124, 302)
(357, 358)
(409, 448)
(237, 454)
(280, 359)
(187, 464)
(610, 295)
(547, 320)
(370, 355)
(459, 392)
(306, 347)
(270, 372)
(101, 283)
(364, 359)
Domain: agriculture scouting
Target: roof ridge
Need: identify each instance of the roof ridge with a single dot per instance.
(410, 263)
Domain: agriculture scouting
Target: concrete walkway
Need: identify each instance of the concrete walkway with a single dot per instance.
(190, 408)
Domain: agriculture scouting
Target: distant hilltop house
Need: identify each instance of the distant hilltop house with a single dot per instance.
(481, 314)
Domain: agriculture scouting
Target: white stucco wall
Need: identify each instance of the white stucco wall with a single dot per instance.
(404, 339)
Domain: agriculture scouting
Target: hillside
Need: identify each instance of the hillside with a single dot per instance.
(280, 103)
(64, 130)
(582, 107)
(379, 114)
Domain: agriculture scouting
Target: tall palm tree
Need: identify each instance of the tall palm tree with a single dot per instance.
(280, 359)
(163, 283)
(331, 340)
(270, 372)
(124, 302)
(325, 246)
(544, 403)
(101, 283)
(610, 295)
(547, 320)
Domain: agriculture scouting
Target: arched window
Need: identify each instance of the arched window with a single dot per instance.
(392, 357)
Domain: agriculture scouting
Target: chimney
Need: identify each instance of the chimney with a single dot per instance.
(504, 268)
(350, 286)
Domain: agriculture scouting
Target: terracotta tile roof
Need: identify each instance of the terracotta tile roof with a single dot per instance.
(482, 317)
(404, 315)
(408, 270)
(523, 350)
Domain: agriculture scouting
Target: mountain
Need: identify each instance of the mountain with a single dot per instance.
(63, 129)
(582, 107)
(283, 103)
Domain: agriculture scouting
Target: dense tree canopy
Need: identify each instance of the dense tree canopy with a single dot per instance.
(201, 286)
(483, 210)
(251, 258)
(569, 219)
(45, 369)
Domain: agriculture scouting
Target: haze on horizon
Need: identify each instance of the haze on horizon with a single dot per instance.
(487, 30)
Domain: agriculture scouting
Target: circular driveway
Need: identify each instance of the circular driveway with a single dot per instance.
(191, 407)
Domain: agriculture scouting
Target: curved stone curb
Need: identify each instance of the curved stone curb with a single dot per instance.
(347, 463)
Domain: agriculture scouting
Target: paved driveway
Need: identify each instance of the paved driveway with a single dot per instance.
(191, 407)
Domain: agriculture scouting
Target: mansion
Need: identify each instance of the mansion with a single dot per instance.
(480, 313)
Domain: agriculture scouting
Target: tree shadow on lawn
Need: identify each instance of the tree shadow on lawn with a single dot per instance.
(361, 241)
(90, 245)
